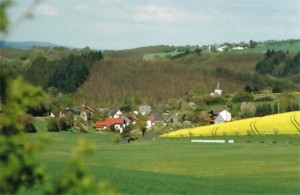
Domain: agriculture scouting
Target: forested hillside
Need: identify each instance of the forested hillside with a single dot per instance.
(279, 64)
(114, 78)
(117, 79)
(160, 80)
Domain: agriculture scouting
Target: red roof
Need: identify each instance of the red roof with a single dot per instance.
(109, 122)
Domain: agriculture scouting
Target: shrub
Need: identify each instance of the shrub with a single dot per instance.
(66, 122)
(81, 125)
(247, 109)
(117, 139)
(242, 97)
(176, 125)
(187, 124)
(214, 100)
(135, 134)
(276, 131)
(54, 124)
(27, 121)
(265, 98)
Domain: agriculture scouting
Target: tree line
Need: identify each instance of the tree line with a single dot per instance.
(279, 64)
(65, 74)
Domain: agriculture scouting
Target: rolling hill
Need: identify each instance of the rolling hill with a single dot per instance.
(25, 45)
(125, 76)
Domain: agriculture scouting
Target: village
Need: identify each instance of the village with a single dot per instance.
(137, 122)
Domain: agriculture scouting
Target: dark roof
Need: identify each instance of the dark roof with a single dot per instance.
(71, 110)
(215, 112)
(112, 113)
(87, 109)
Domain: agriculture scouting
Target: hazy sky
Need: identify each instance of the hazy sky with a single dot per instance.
(122, 24)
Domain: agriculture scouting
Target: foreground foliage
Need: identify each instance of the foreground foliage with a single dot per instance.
(19, 168)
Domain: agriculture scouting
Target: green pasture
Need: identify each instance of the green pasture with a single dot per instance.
(252, 165)
(291, 46)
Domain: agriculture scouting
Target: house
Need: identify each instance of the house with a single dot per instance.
(222, 117)
(150, 120)
(127, 120)
(57, 113)
(112, 124)
(237, 48)
(86, 112)
(213, 115)
(115, 114)
(221, 49)
(218, 91)
(72, 111)
(144, 110)
(133, 117)
(172, 119)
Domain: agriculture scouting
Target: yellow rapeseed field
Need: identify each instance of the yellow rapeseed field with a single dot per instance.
(286, 123)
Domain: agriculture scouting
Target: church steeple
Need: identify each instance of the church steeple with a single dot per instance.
(218, 90)
(218, 85)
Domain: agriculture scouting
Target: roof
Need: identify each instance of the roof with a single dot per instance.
(86, 109)
(225, 115)
(126, 119)
(110, 122)
(113, 113)
(145, 109)
(71, 110)
(151, 117)
(215, 112)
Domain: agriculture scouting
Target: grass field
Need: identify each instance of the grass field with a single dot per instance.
(176, 166)
(291, 46)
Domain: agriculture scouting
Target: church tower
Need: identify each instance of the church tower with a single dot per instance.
(218, 90)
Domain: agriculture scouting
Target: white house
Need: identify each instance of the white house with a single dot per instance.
(115, 114)
(237, 48)
(112, 123)
(221, 49)
(222, 117)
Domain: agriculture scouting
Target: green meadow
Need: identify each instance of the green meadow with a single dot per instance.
(287, 45)
(252, 165)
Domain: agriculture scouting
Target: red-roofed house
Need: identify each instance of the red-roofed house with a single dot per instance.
(111, 123)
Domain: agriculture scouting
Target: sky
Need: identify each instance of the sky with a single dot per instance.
(125, 24)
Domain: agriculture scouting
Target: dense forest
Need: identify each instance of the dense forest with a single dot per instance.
(66, 74)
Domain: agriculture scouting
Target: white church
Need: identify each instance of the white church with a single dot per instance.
(218, 91)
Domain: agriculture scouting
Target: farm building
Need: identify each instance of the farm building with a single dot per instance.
(219, 116)
(222, 117)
